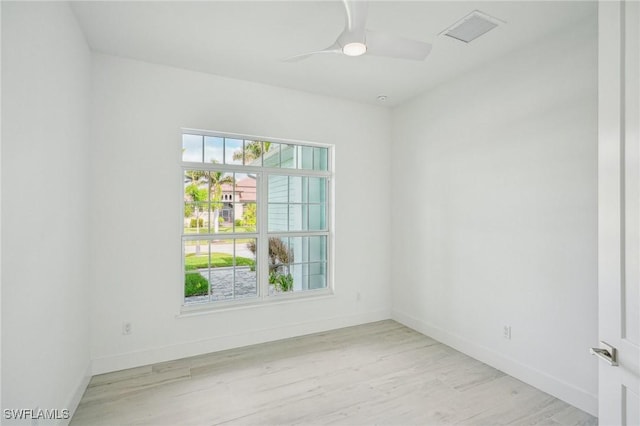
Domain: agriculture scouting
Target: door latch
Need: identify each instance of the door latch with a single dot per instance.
(607, 353)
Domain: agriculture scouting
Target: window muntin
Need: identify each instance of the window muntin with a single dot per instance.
(229, 184)
(219, 202)
(221, 269)
(305, 266)
(297, 203)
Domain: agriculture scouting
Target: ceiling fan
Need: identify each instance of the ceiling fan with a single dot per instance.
(356, 40)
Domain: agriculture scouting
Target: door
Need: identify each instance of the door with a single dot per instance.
(619, 210)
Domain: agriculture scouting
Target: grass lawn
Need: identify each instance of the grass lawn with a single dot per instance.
(218, 260)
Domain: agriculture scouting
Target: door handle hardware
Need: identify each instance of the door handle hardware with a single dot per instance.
(607, 353)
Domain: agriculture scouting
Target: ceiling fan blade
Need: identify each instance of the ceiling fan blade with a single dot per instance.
(356, 15)
(392, 46)
(295, 58)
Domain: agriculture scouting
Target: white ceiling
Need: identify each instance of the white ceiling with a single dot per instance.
(247, 40)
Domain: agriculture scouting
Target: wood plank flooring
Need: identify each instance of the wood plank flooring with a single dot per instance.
(379, 373)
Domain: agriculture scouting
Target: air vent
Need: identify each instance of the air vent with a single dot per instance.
(472, 26)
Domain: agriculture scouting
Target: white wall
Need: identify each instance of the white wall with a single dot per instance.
(495, 220)
(45, 293)
(138, 111)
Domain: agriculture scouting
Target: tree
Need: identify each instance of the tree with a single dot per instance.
(252, 151)
(196, 195)
(216, 180)
(249, 215)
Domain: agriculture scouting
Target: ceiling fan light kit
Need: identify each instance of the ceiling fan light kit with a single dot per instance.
(354, 49)
(356, 40)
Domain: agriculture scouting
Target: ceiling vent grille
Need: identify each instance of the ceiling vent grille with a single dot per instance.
(472, 26)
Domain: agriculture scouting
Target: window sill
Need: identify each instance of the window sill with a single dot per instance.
(215, 307)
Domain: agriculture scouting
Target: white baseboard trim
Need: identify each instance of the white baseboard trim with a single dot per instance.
(75, 398)
(251, 337)
(562, 390)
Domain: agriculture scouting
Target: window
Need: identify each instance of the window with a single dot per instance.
(256, 219)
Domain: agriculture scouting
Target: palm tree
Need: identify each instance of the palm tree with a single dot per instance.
(216, 180)
(196, 194)
(252, 151)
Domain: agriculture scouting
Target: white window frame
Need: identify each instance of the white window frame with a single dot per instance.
(262, 235)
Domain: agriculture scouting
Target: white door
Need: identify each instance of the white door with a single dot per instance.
(619, 210)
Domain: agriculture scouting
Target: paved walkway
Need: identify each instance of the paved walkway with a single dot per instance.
(222, 285)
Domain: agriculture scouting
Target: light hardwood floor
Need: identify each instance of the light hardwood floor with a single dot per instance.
(379, 373)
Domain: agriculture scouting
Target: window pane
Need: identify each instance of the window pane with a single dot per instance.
(213, 149)
(195, 218)
(253, 152)
(300, 280)
(272, 155)
(297, 247)
(317, 275)
(280, 280)
(233, 151)
(278, 217)
(221, 188)
(280, 253)
(195, 202)
(296, 222)
(317, 190)
(318, 249)
(196, 254)
(317, 217)
(304, 255)
(304, 281)
(295, 189)
(192, 148)
(305, 218)
(305, 155)
(221, 269)
(199, 178)
(246, 187)
(248, 221)
(196, 286)
(288, 156)
(280, 257)
(320, 156)
(196, 267)
(278, 189)
(245, 282)
(222, 213)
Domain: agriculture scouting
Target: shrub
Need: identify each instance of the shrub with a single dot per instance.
(199, 223)
(238, 222)
(188, 210)
(249, 214)
(195, 285)
(281, 282)
(279, 253)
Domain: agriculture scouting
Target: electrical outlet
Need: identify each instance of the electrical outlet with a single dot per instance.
(126, 328)
(506, 332)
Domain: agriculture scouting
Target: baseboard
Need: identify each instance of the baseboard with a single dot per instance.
(172, 352)
(562, 390)
(75, 398)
